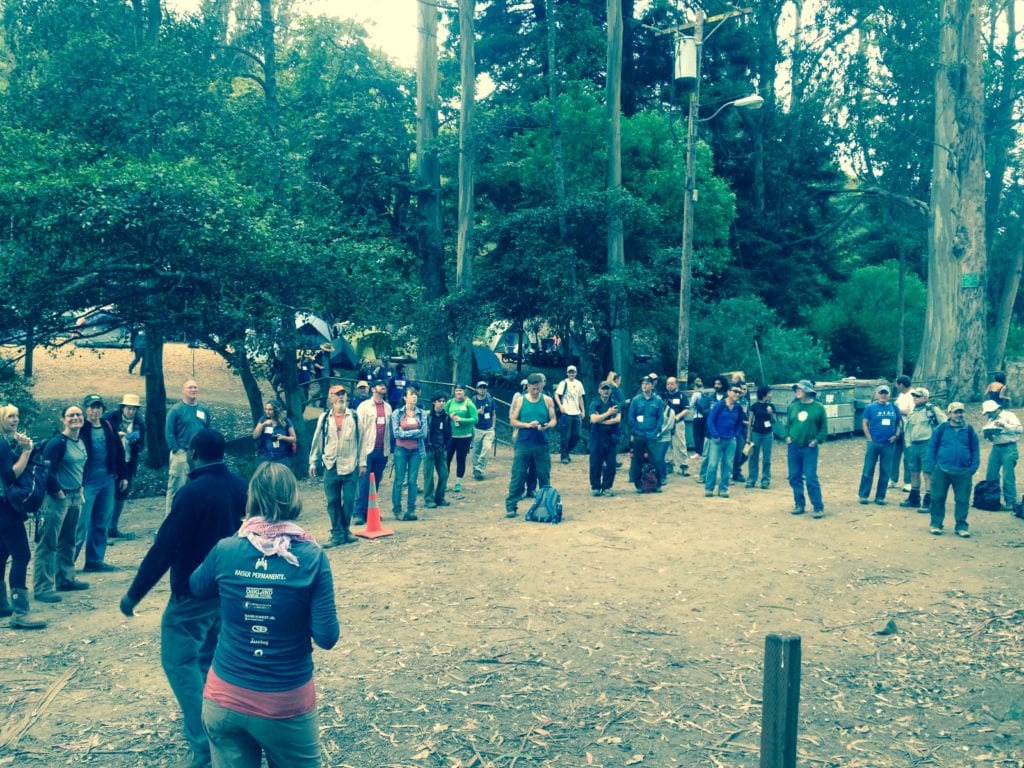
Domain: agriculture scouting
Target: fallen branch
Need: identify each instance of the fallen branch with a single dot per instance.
(12, 734)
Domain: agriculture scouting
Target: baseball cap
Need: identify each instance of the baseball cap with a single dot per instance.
(362, 384)
(481, 384)
(337, 389)
(605, 385)
(919, 392)
(882, 389)
(97, 400)
(956, 405)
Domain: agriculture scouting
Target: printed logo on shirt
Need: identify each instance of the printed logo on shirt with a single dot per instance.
(261, 563)
(259, 593)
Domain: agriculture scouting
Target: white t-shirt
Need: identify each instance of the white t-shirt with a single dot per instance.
(571, 393)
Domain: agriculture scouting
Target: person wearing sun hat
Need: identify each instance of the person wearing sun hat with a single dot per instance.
(1003, 430)
(922, 421)
(954, 455)
(130, 426)
(806, 430)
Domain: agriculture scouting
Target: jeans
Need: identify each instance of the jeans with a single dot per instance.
(941, 482)
(1004, 458)
(803, 469)
(762, 452)
(661, 449)
(483, 444)
(721, 455)
(177, 475)
(340, 492)
(238, 740)
(700, 429)
(899, 456)
(120, 497)
(376, 461)
(525, 455)
(435, 463)
(570, 428)
(407, 468)
(13, 545)
(55, 552)
(880, 454)
(94, 522)
(188, 637)
(602, 459)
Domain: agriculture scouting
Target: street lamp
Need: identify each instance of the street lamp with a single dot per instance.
(693, 46)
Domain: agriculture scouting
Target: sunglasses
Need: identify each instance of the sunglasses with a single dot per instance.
(959, 410)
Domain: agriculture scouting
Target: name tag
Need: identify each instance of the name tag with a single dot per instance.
(380, 420)
(640, 419)
(675, 401)
(201, 415)
(886, 422)
(268, 430)
(767, 423)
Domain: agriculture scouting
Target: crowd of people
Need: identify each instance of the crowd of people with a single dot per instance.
(250, 589)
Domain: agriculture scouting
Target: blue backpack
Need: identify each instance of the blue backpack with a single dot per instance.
(546, 507)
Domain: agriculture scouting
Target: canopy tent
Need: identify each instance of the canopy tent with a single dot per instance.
(344, 355)
(314, 330)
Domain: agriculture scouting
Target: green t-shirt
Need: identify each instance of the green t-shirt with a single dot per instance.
(466, 412)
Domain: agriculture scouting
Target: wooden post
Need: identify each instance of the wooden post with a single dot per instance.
(781, 697)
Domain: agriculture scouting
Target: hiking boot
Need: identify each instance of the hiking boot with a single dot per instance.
(798, 511)
(608, 492)
(410, 516)
(74, 585)
(478, 475)
(881, 502)
(48, 597)
(397, 512)
(818, 514)
(444, 503)
(22, 618)
(723, 494)
(596, 492)
(430, 504)
(333, 543)
(359, 520)
(5, 605)
(99, 568)
(708, 494)
(510, 512)
(963, 533)
(766, 484)
(864, 500)
(750, 484)
(349, 538)
(913, 500)
(1018, 510)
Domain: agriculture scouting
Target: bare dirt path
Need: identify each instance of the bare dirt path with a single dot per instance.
(631, 634)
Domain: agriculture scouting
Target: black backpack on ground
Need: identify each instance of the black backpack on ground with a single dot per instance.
(987, 495)
(648, 477)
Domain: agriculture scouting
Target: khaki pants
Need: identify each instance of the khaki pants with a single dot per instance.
(55, 552)
(177, 476)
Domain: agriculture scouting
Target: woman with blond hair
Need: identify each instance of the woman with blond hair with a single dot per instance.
(15, 451)
(276, 594)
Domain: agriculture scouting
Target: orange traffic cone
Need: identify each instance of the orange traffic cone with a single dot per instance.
(373, 529)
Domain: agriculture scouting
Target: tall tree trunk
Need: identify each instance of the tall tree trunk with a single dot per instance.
(30, 346)
(156, 398)
(463, 368)
(954, 345)
(434, 353)
(1007, 300)
(622, 357)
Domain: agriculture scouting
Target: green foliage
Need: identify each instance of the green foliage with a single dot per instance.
(860, 322)
(724, 336)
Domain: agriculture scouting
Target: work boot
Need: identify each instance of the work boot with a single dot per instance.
(913, 499)
(1018, 511)
(5, 606)
(22, 618)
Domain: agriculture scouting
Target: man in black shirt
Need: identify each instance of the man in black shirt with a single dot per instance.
(208, 508)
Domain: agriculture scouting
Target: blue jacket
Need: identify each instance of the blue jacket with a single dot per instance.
(954, 450)
(645, 416)
(725, 423)
(270, 610)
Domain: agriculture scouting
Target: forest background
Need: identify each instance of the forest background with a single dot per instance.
(211, 173)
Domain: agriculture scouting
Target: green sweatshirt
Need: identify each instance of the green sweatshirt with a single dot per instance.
(467, 414)
(806, 422)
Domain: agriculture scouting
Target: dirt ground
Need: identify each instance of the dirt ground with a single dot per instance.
(631, 634)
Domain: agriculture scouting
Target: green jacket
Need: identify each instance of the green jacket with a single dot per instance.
(806, 422)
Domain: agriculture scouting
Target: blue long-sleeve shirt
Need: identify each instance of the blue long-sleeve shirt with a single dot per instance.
(645, 415)
(269, 606)
(724, 422)
(954, 450)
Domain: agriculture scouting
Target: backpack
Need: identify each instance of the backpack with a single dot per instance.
(648, 477)
(25, 495)
(703, 406)
(546, 507)
(987, 496)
